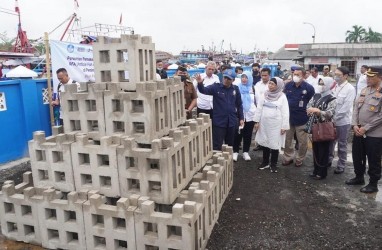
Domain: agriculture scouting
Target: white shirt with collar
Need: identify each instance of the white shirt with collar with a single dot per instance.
(61, 88)
(345, 94)
(314, 82)
(260, 89)
(205, 101)
(362, 83)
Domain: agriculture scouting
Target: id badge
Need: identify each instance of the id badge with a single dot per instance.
(301, 104)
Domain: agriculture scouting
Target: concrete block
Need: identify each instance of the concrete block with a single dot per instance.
(63, 220)
(84, 110)
(127, 60)
(143, 114)
(110, 226)
(159, 171)
(205, 130)
(177, 101)
(19, 213)
(181, 228)
(51, 161)
(95, 166)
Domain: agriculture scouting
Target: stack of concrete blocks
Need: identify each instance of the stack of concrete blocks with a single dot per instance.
(18, 212)
(125, 136)
(110, 226)
(126, 60)
(84, 109)
(52, 161)
(95, 166)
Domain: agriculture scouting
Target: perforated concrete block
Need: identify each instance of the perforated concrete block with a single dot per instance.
(61, 216)
(127, 60)
(143, 114)
(177, 101)
(208, 180)
(205, 141)
(95, 166)
(83, 110)
(110, 226)
(181, 228)
(160, 171)
(19, 213)
(51, 160)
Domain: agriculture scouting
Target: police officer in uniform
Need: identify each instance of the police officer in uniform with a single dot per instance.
(228, 108)
(367, 127)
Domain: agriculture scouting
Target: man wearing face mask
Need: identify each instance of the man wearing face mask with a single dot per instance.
(345, 93)
(256, 73)
(205, 102)
(160, 70)
(298, 93)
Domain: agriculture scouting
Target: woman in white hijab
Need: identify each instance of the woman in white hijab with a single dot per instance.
(321, 108)
(271, 122)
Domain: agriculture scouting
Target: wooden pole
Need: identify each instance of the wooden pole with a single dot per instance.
(48, 76)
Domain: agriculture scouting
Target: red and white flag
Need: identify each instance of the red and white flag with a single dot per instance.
(120, 20)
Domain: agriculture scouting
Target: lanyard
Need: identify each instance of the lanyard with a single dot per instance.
(341, 88)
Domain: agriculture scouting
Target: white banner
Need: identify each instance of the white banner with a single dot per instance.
(76, 58)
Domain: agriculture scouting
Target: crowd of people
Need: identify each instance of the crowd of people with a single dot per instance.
(280, 111)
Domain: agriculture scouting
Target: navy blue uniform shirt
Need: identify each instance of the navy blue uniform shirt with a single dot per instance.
(228, 107)
(298, 98)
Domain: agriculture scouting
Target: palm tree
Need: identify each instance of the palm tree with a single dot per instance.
(373, 36)
(356, 35)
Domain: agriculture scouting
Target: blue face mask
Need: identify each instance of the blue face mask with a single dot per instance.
(238, 76)
(338, 79)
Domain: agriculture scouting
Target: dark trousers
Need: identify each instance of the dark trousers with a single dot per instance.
(205, 111)
(321, 158)
(274, 153)
(372, 148)
(220, 135)
(245, 136)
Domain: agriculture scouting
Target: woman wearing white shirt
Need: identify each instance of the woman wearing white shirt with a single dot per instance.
(272, 121)
(245, 134)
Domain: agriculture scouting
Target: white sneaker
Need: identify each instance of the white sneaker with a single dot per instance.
(234, 156)
(246, 156)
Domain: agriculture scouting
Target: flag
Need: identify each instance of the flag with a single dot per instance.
(17, 7)
(120, 20)
(76, 5)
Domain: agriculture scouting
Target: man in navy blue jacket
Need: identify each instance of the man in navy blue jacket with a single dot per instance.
(228, 108)
(298, 93)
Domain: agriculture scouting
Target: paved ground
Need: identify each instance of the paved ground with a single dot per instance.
(286, 210)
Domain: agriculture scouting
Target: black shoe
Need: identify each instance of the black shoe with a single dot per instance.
(318, 177)
(339, 170)
(263, 166)
(355, 181)
(312, 175)
(369, 188)
(273, 168)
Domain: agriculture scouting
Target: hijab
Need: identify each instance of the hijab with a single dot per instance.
(245, 91)
(275, 95)
(328, 81)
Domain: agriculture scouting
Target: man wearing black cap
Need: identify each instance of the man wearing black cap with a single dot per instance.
(228, 108)
(367, 127)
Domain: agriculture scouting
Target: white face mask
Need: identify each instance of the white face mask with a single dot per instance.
(296, 79)
(320, 88)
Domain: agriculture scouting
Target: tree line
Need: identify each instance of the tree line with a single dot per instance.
(359, 34)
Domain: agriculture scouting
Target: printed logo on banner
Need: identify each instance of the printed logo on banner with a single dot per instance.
(70, 48)
(80, 49)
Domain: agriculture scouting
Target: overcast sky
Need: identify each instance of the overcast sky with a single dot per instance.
(177, 25)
